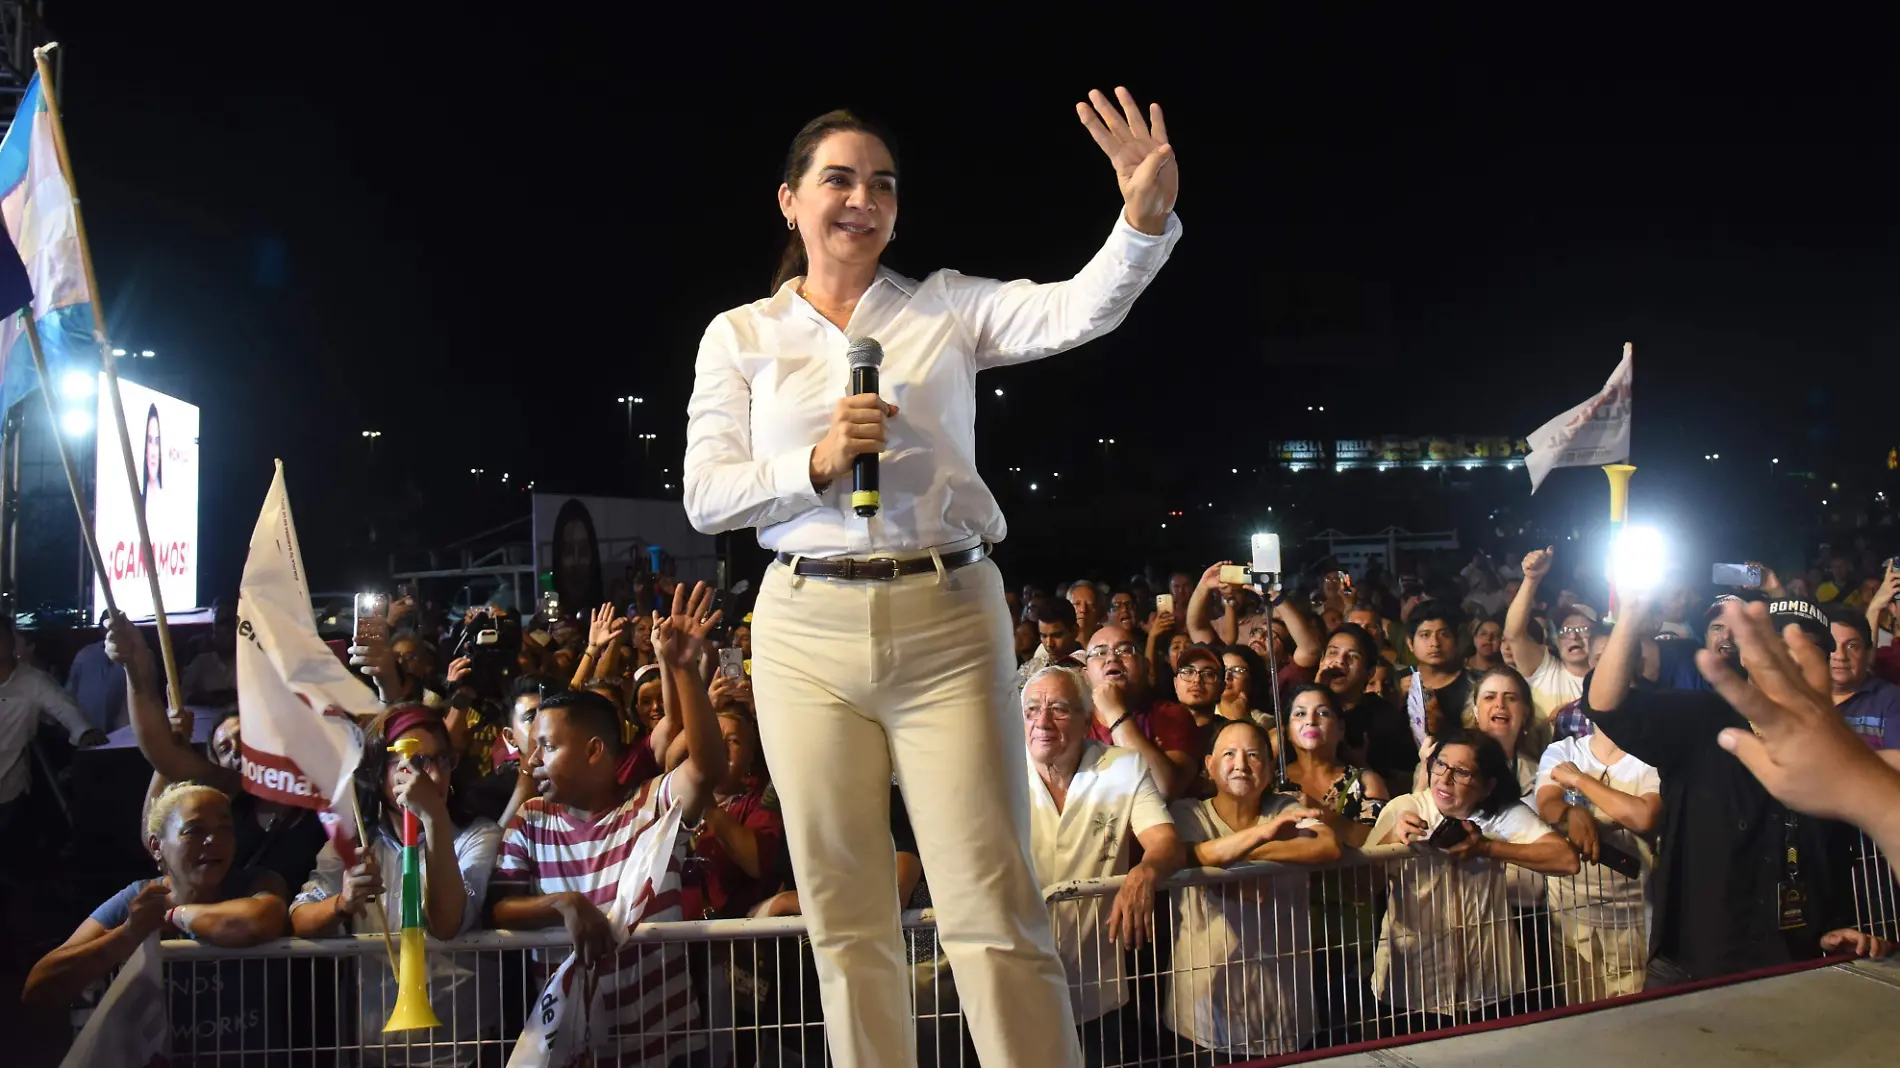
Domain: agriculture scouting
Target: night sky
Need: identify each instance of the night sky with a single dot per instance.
(474, 235)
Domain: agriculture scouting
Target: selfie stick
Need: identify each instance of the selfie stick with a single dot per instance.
(1267, 580)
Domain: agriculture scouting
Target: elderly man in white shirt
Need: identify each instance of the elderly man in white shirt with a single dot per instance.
(1091, 807)
(27, 695)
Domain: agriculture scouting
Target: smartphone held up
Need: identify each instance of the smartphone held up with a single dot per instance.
(372, 615)
(1747, 576)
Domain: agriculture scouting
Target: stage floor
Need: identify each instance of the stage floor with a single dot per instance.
(1847, 1016)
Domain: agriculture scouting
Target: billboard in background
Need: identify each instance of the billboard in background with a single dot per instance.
(1386, 452)
(595, 545)
(165, 452)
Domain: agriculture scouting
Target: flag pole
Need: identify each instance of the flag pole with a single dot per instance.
(109, 365)
(66, 460)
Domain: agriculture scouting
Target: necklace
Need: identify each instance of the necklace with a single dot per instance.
(833, 314)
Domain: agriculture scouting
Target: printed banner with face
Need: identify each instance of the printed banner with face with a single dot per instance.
(164, 432)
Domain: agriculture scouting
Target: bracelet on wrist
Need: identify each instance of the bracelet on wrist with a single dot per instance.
(174, 919)
(1117, 725)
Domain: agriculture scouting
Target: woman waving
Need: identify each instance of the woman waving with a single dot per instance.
(882, 644)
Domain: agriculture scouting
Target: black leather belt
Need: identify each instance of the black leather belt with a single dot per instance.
(881, 569)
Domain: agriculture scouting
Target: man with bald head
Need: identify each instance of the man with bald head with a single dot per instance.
(1128, 714)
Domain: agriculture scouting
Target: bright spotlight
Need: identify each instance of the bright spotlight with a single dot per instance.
(76, 422)
(77, 385)
(1637, 559)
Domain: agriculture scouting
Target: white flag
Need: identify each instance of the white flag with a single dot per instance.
(129, 1027)
(296, 700)
(1593, 433)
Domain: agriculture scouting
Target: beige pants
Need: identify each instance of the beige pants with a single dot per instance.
(853, 680)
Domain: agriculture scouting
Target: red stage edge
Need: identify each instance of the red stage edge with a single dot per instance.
(1541, 1015)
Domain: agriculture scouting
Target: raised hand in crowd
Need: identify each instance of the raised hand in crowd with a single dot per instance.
(1199, 627)
(729, 690)
(603, 645)
(1801, 750)
(460, 668)
(679, 645)
(183, 723)
(679, 638)
(1882, 600)
(126, 647)
(400, 608)
(372, 654)
(171, 754)
(1527, 654)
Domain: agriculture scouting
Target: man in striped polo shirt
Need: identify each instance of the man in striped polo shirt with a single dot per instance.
(599, 858)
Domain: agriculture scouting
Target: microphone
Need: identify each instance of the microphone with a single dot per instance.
(864, 355)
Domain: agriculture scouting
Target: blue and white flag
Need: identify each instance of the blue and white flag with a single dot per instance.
(47, 272)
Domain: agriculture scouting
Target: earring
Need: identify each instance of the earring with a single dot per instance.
(791, 224)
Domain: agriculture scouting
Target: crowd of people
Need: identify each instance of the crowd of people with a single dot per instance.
(1578, 825)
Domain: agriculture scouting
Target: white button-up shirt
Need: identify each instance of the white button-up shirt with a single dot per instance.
(27, 695)
(769, 374)
(1449, 945)
(1110, 800)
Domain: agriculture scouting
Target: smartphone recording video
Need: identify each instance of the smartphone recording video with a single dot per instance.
(372, 611)
(1747, 576)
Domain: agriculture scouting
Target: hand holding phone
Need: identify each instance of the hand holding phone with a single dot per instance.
(1747, 576)
(1448, 833)
(1233, 575)
(732, 663)
(1164, 602)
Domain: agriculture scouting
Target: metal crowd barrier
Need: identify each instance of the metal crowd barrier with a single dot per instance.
(1256, 961)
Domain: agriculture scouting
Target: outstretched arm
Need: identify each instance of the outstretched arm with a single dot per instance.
(1528, 654)
(1013, 322)
(169, 755)
(679, 640)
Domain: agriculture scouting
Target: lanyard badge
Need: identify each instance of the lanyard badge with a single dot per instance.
(1791, 896)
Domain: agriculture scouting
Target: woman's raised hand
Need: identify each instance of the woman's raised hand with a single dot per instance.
(1145, 167)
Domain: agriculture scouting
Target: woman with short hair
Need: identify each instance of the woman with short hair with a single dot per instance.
(197, 895)
(1449, 951)
(1242, 976)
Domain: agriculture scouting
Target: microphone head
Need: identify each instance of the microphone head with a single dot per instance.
(864, 352)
